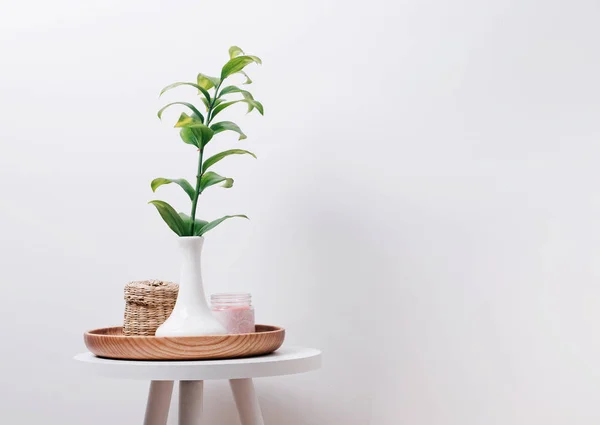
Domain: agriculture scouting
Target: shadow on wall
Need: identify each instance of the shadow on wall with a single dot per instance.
(342, 272)
(287, 400)
(386, 289)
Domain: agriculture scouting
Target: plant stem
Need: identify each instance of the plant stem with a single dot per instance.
(212, 104)
(195, 201)
(201, 154)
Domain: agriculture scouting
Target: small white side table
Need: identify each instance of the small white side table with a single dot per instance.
(192, 374)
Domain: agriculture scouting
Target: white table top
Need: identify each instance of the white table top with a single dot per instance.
(285, 361)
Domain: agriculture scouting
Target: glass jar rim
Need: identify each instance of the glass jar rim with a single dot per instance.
(231, 298)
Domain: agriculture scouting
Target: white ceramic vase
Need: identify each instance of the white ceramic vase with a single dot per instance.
(191, 315)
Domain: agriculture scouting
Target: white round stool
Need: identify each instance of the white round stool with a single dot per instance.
(192, 374)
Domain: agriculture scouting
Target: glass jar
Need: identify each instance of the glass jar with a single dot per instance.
(234, 311)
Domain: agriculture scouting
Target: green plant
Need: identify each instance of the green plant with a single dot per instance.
(198, 129)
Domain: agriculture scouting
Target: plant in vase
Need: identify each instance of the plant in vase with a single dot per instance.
(191, 315)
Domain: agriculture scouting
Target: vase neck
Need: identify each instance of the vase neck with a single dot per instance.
(191, 290)
(191, 243)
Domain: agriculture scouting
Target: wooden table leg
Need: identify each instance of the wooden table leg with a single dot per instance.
(246, 401)
(159, 400)
(190, 402)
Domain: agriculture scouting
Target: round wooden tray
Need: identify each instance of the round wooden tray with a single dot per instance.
(112, 344)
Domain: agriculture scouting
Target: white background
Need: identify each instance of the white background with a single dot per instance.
(425, 206)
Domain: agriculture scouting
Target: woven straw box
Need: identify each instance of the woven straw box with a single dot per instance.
(148, 303)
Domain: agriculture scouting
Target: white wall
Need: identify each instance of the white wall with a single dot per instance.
(424, 208)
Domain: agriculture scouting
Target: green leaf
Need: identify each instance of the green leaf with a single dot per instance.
(228, 125)
(215, 103)
(245, 93)
(206, 103)
(235, 51)
(229, 89)
(217, 157)
(189, 105)
(187, 221)
(237, 64)
(193, 131)
(207, 82)
(211, 178)
(215, 223)
(248, 80)
(223, 106)
(183, 183)
(172, 86)
(202, 133)
(254, 103)
(170, 216)
(251, 102)
(235, 89)
(185, 120)
(188, 136)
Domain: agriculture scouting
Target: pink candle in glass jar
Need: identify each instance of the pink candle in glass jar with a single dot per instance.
(234, 311)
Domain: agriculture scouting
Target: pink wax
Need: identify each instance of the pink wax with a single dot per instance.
(234, 312)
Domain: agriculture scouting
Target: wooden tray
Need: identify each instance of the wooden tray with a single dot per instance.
(112, 344)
